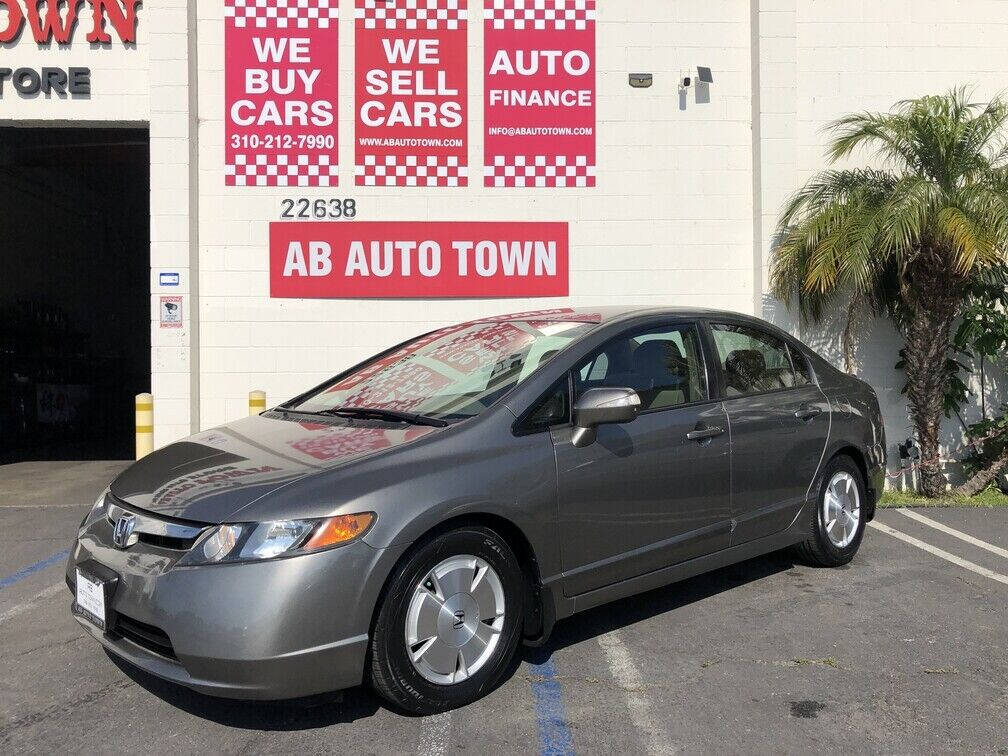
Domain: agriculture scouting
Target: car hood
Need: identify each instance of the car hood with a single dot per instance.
(212, 476)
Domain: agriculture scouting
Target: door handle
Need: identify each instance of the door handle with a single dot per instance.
(704, 433)
(807, 413)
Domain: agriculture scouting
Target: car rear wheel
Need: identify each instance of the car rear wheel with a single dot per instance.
(838, 521)
(449, 622)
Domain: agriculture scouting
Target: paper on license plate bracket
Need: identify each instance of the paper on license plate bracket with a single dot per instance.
(91, 598)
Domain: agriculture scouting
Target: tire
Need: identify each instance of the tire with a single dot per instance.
(427, 593)
(827, 545)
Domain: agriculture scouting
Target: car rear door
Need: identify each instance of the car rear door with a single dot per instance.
(645, 494)
(779, 422)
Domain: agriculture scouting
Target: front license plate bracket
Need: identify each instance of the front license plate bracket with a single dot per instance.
(107, 580)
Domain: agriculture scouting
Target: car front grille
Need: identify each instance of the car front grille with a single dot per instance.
(155, 530)
(154, 639)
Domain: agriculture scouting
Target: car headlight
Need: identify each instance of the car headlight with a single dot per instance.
(97, 509)
(264, 540)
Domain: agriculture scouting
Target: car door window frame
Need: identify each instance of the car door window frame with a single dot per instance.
(521, 427)
(797, 353)
(716, 358)
(641, 328)
(710, 376)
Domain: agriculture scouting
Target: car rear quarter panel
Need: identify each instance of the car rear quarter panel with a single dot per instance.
(857, 424)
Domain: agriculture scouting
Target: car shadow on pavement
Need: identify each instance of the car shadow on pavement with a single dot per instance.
(608, 617)
(306, 713)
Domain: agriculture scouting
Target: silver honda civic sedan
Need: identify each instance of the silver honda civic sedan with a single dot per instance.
(410, 521)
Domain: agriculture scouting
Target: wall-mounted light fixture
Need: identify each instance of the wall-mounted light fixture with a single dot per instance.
(641, 80)
(700, 84)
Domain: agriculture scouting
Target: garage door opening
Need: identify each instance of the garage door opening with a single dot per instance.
(74, 291)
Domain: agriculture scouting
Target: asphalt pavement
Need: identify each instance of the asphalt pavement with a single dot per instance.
(905, 650)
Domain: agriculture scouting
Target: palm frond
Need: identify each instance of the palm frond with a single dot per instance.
(940, 195)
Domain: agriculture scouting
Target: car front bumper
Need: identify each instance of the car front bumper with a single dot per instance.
(274, 629)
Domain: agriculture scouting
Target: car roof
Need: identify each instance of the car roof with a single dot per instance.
(613, 313)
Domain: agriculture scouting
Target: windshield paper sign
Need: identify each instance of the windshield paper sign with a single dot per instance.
(411, 93)
(280, 92)
(407, 260)
(539, 93)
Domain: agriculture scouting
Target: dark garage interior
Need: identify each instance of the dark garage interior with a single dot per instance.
(74, 291)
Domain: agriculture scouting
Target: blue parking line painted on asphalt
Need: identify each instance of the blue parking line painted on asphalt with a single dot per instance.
(33, 568)
(554, 732)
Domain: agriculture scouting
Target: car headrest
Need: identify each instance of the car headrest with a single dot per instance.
(620, 356)
(661, 361)
(748, 364)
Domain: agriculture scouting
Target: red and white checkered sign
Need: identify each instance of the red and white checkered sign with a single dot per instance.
(281, 170)
(280, 92)
(411, 91)
(281, 14)
(410, 170)
(540, 14)
(539, 171)
(535, 49)
(412, 14)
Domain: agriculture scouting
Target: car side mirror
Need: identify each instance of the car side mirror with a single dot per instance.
(602, 405)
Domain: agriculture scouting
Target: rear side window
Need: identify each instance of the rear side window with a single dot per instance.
(753, 361)
(803, 376)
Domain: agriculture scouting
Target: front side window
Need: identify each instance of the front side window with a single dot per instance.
(453, 373)
(753, 362)
(662, 365)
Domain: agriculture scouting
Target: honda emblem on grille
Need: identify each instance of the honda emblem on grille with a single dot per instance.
(123, 530)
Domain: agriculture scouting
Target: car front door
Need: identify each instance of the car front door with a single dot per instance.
(779, 423)
(644, 495)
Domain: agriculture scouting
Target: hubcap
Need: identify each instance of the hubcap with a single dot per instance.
(454, 620)
(842, 509)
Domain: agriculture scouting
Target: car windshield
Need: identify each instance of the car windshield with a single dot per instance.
(453, 373)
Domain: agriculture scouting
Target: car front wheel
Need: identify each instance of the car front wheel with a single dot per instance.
(449, 621)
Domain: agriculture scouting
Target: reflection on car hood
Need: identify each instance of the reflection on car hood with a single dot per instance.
(212, 475)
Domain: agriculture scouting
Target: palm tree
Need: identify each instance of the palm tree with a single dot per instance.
(905, 236)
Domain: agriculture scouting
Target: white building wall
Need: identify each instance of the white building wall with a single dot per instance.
(173, 230)
(669, 223)
(683, 214)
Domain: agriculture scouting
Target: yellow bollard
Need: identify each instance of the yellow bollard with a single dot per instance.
(257, 402)
(144, 425)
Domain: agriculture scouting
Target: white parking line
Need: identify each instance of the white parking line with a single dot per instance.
(953, 532)
(941, 553)
(434, 734)
(629, 678)
(17, 609)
